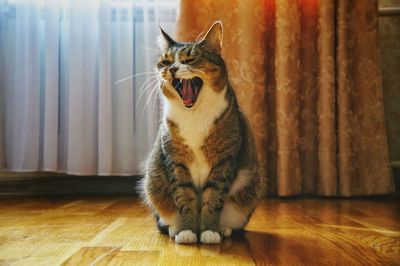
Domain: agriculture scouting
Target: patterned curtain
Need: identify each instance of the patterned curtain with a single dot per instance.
(307, 75)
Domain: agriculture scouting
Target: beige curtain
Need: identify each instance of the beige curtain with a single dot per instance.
(307, 75)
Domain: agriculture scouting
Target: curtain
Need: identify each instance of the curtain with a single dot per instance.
(68, 99)
(389, 39)
(307, 76)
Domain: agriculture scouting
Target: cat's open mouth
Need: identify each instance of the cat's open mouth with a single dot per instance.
(188, 89)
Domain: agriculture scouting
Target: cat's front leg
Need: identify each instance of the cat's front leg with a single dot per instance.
(185, 198)
(213, 196)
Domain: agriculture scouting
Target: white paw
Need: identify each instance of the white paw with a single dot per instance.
(186, 237)
(227, 231)
(172, 231)
(210, 237)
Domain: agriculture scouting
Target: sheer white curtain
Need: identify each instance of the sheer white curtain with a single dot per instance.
(65, 102)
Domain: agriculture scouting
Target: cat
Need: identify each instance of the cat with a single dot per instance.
(201, 179)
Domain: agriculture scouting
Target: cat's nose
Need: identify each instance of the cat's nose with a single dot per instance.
(173, 70)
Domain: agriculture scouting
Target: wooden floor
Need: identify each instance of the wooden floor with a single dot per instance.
(120, 232)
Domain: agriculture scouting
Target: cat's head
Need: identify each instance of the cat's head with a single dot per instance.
(188, 69)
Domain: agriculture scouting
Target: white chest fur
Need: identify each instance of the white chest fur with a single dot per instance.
(194, 126)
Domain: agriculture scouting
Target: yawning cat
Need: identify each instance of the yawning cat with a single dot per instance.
(201, 178)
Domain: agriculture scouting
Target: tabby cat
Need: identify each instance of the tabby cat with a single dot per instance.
(201, 178)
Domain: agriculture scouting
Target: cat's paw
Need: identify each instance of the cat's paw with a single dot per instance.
(172, 231)
(186, 237)
(227, 232)
(210, 237)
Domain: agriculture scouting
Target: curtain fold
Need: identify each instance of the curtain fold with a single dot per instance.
(77, 84)
(51, 87)
(307, 75)
(362, 142)
(326, 103)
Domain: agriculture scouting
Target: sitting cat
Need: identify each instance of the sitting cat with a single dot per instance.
(201, 178)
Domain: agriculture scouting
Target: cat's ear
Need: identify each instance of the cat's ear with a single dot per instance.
(164, 40)
(212, 41)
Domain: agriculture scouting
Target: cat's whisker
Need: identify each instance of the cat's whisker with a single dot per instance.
(146, 106)
(148, 83)
(150, 49)
(146, 91)
(132, 76)
(151, 96)
(152, 52)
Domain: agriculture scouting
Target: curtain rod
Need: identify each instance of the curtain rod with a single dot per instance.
(389, 11)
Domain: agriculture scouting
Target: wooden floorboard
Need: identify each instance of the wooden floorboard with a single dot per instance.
(119, 231)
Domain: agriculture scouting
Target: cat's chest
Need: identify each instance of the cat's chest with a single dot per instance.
(194, 135)
(195, 125)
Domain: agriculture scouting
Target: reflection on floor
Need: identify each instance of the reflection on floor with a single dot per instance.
(120, 231)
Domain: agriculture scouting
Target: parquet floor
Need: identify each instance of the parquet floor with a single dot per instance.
(120, 232)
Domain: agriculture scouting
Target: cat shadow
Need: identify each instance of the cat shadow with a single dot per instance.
(239, 246)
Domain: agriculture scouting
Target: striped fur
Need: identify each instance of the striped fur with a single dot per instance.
(201, 179)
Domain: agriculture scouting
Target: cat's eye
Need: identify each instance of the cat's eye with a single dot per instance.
(166, 62)
(188, 60)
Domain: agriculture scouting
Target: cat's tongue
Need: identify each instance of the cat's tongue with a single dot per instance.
(187, 92)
